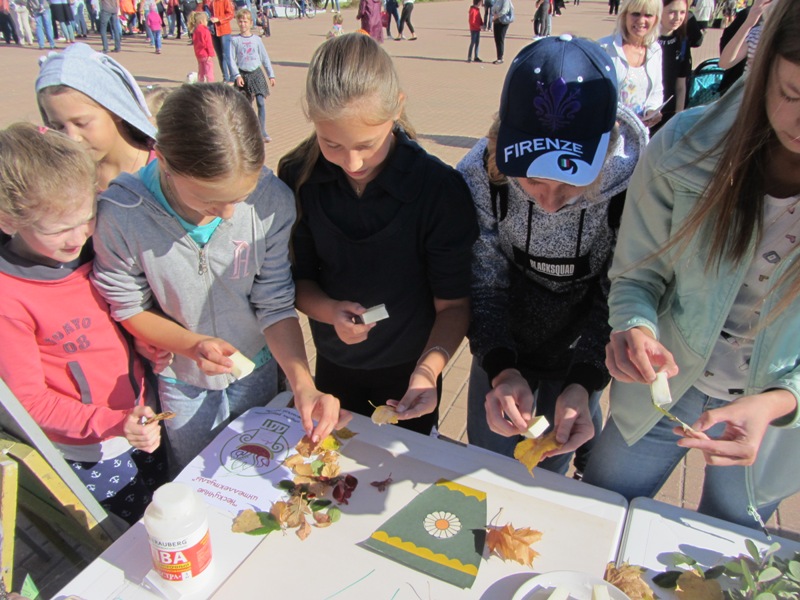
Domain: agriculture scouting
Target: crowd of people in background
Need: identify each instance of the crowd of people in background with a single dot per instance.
(649, 239)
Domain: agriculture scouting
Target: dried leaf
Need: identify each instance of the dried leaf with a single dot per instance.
(279, 510)
(322, 519)
(304, 479)
(296, 511)
(382, 485)
(330, 470)
(293, 461)
(513, 544)
(329, 443)
(303, 469)
(245, 521)
(329, 457)
(344, 433)
(628, 578)
(530, 451)
(692, 586)
(317, 489)
(306, 447)
(384, 415)
(304, 530)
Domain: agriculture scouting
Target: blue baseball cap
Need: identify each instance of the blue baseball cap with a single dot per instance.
(557, 110)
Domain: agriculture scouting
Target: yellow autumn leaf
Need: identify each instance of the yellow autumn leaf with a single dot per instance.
(529, 451)
(329, 443)
(329, 457)
(384, 415)
(330, 470)
(303, 470)
(293, 460)
(247, 520)
(692, 586)
(628, 578)
(513, 544)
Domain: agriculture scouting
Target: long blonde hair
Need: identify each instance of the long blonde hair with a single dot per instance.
(37, 166)
(344, 70)
(729, 213)
(653, 7)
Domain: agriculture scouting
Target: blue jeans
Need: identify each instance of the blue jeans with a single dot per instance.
(156, 39)
(641, 469)
(80, 22)
(222, 46)
(107, 17)
(547, 392)
(44, 29)
(201, 414)
(474, 42)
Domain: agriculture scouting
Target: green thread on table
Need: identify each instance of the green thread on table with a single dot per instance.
(351, 585)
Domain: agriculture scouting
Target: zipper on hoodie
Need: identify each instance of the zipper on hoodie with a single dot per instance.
(202, 265)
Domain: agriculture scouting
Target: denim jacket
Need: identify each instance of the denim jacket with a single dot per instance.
(684, 304)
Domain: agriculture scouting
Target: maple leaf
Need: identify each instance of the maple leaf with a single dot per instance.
(628, 578)
(304, 530)
(692, 586)
(530, 451)
(382, 485)
(296, 511)
(384, 415)
(513, 544)
(344, 433)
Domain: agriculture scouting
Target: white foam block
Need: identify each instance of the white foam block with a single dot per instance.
(242, 366)
(374, 314)
(600, 592)
(560, 593)
(536, 427)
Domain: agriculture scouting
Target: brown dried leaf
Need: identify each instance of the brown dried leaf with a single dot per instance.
(293, 461)
(328, 457)
(247, 520)
(344, 433)
(301, 479)
(384, 415)
(628, 578)
(330, 470)
(692, 586)
(530, 451)
(322, 519)
(279, 510)
(296, 511)
(306, 447)
(317, 489)
(303, 470)
(304, 530)
(513, 544)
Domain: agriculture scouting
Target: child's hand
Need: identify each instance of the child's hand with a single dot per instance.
(239, 81)
(272, 82)
(346, 323)
(420, 398)
(142, 437)
(313, 405)
(211, 355)
(159, 358)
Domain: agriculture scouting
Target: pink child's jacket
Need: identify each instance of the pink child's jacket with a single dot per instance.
(201, 42)
(154, 20)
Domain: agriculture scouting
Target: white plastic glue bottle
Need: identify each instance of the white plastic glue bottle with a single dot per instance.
(177, 526)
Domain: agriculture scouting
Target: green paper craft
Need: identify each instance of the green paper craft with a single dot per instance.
(441, 532)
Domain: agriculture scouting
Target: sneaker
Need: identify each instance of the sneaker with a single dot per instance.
(267, 139)
(412, 38)
(478, 59)
(499, 61)
(469, 60)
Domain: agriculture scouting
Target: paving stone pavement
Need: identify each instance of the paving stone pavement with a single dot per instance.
(450, 102)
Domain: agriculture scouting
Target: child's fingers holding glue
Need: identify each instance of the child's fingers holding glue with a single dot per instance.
(211, 355)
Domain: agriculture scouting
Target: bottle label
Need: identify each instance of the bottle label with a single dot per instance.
(182, 559)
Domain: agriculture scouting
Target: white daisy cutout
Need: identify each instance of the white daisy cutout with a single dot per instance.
(442, 525)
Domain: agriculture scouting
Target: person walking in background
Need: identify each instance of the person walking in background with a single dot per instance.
(222, 13)
(337, 29)
(22, 17)
(154, 23)
(203, 46)
(475, 24)
(109, 10)
(613, 7)
(677, 58)
(81, 28)
(249, 54)
(369, 11)
(487, 14)
(502, 17)
(40, 11)
(391, 10)
(405, 20)
(187, 8)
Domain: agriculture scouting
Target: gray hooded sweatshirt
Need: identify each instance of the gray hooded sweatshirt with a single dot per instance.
(233, 288)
